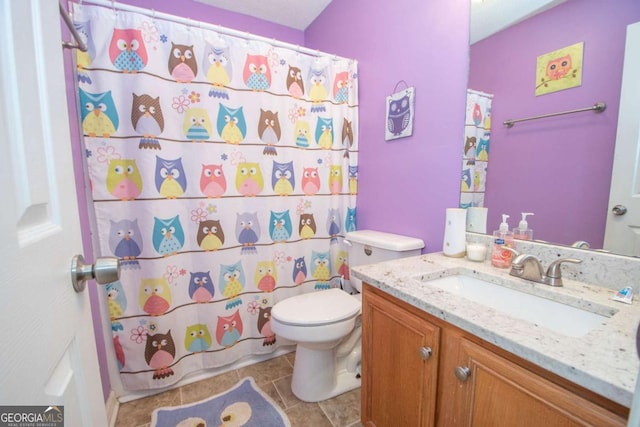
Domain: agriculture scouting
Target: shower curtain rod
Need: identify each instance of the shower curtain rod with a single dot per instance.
(74, 33)
(228, 31)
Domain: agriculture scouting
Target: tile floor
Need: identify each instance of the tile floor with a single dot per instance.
(273, 377)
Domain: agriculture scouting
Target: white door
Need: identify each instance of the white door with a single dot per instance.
(622, 234)
(48, 354)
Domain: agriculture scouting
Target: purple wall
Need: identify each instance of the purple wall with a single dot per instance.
(184, 8)
(405, 185)
(559, 168)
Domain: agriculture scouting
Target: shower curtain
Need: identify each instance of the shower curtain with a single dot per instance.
(475, 158)
(223, 173)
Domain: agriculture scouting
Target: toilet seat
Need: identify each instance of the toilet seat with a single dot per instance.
(316, 308)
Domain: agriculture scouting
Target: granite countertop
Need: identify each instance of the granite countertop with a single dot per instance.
(604, 360)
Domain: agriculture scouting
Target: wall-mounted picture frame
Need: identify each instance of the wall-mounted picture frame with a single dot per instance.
(400, 114)
(560, 69)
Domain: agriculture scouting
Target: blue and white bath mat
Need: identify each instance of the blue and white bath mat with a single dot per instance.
(245, 404)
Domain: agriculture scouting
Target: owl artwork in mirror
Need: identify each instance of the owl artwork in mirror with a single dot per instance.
(558, 167)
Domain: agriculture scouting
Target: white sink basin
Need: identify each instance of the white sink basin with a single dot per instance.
(549, 314)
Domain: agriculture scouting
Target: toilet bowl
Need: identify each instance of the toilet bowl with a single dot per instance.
(325, 324)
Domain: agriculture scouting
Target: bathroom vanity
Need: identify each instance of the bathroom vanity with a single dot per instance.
(439, 354)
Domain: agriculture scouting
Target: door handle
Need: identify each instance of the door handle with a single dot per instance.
(619, 210)
(105, 270)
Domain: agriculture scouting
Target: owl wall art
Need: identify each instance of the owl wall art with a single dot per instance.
(98, 114)
(127, 50)
(400, 114)
(560, 69)
(147, 120)
(182, 63)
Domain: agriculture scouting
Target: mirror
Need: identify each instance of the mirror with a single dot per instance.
(559, 167)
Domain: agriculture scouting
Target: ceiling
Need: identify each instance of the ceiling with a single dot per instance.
(490, 16)
(487, 16)
(296, 14)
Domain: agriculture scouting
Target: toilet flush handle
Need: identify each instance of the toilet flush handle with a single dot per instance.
(347, 242)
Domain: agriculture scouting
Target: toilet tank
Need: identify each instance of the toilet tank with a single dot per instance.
(369, 246)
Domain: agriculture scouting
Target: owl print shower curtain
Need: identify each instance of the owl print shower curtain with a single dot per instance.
(224, 176)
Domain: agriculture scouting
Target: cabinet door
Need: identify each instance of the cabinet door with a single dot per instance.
(399, 376)
(498, 392)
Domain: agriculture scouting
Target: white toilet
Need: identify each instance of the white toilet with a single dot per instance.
(326, 324)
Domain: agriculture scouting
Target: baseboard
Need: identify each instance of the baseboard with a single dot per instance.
(111, 406)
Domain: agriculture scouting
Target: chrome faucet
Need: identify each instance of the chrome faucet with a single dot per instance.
(529, 267)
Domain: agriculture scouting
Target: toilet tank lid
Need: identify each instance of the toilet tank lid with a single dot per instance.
(382, 240)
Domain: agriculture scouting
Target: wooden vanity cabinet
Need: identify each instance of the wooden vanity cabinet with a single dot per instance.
(399, 365)
(465, 381)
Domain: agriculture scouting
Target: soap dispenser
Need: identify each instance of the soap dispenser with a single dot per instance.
(501, 257)
(523, 232)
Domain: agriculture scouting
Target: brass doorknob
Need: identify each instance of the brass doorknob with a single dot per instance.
(105, 270)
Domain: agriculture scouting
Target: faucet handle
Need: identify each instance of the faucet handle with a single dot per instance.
(554, 268)
(554, 273)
